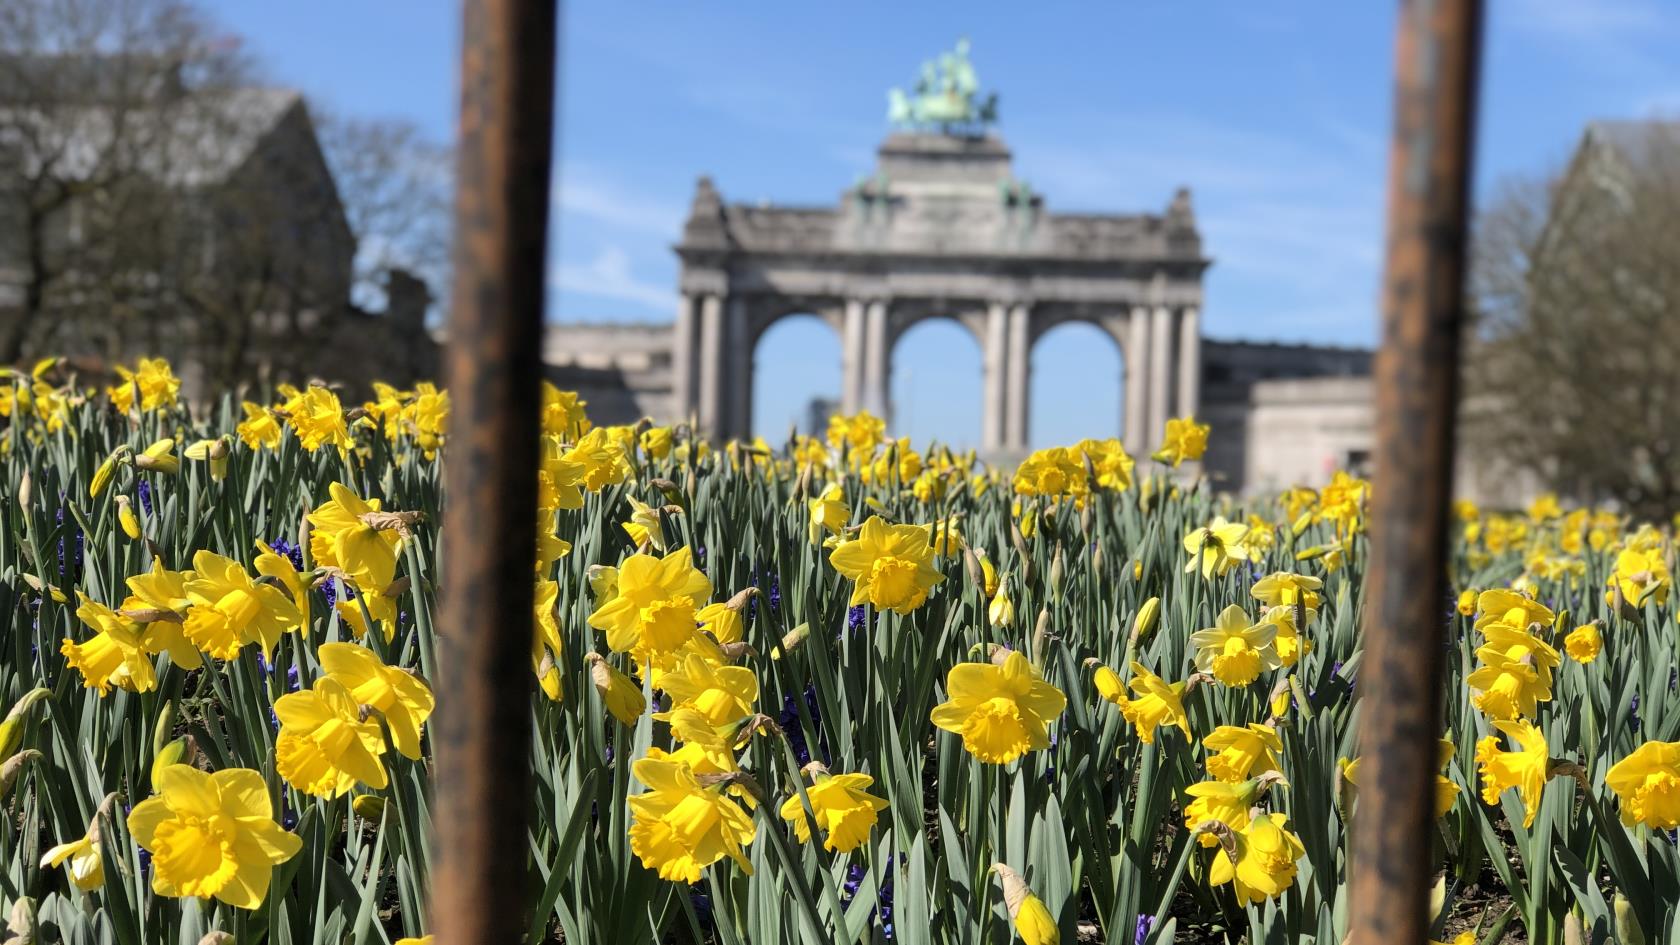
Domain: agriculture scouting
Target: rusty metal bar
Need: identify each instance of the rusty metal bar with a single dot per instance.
(482, 730)
(1417, 392)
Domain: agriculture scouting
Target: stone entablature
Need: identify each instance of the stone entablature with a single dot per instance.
(943, 228)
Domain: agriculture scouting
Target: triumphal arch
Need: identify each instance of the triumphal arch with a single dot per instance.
(943, 228)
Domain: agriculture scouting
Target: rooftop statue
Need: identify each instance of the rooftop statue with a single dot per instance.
(945, 98)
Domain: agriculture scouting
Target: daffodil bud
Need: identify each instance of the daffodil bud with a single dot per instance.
(988, 577)
(22, 922)
(1001, 613)
(1108, 683)
(14, 728)
(180, 751)
(102, 476)
(369, 807)
(25, 491)
(971, 564)
(1147, 617)
(163, 728)
(1628, 930)
(1056, 574)
(1572, 934)
(12, 767)
(1033, 921)
(125, 518)
(217, 937)
(791, 640)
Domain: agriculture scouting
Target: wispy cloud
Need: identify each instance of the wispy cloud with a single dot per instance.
(609, 276)
(587, 194)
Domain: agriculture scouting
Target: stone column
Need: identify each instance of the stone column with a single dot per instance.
(853, 357)
(738, 379)
(1160, 373)
(1018, 378)
(1189, 361)
(1137, 382)
(877, 363)
(994, 407)
(712, 369)
(682, 361)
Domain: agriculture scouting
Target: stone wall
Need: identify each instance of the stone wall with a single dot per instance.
(622, 369)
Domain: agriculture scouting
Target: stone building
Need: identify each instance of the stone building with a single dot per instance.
(140, 214)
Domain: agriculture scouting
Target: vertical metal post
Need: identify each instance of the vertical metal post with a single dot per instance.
(1417, 387)
(482, 727)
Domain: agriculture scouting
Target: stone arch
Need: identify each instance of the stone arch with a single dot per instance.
(905, 314)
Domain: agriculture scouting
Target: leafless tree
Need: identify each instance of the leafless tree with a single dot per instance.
(396, 185)
(1576, 341)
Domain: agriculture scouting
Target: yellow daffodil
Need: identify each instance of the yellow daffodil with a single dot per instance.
(654, 611)
(1647, 783)
(563, 414)
(891, 565)
(1215, 547)
(621, 695)
(1506, 689)
(1525, 769)
(724, 695)
(860, 432)
(158, 600)
(601, 458)
(1264, 865)
(1241, 752)
(114, 656)
(1235, 650)
(644, 528)
(1055, 471)
(1583, 643)
(681, 826)
(1001, 712)
(212, 835)
(1110, 461)
(1502, 606)
(229, 609)
(151, 384)
(546, 645)
(83, 859)
(1289, 643)
(317, 417)
(1227, 802)
(342, 536)
(325, 746)
(401, 698)
(1286, 589)
(829, 513)
(1155, 703)
(1185, 440)
(260, 429)
(845, 810)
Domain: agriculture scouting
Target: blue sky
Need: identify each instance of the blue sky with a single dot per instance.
(1276, 115)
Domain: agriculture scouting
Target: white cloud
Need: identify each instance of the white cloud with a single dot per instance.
(589, 195)
(608, 276)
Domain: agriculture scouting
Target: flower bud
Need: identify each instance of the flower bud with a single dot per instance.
(369, 807)
(1032, 919)
(1147, 617)
(1001, 613)
(217, 937)
(12, 767)
(163, 728)
(125, 518)
(25, 491)
(1056, 574)
(1628, 930)
(102, 476)
(22, 922)
(177, 752)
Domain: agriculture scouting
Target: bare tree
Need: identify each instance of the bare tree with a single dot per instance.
(1575, 285)
(396, 186)
(97, 97)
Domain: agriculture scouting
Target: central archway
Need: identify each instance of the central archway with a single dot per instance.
(796, 377)
(936, 383)
(1077, 386)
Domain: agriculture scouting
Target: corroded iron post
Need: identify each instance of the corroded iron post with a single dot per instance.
(1417, 388)
(482, 727)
